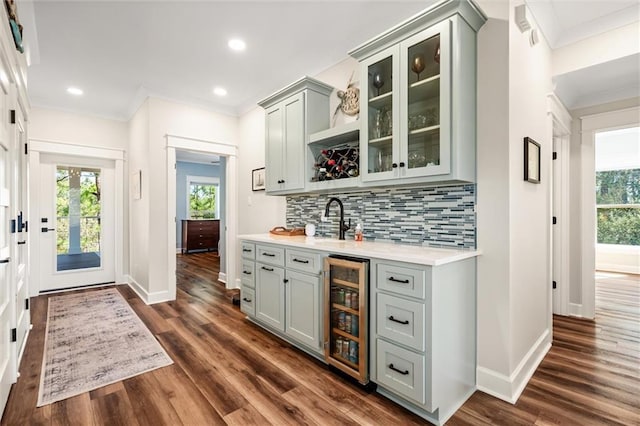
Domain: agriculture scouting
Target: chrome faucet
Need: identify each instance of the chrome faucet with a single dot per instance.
(342, 227)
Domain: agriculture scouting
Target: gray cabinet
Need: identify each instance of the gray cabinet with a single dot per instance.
(302, 306)
(418, 97)
(247, 279)
(288, 292)
(270, 295)
(424, 335)
(290, 115)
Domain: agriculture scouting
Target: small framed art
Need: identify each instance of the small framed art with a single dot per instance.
(531, 160)
(258, 180)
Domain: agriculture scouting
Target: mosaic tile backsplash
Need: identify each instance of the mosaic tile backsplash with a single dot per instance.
(439, 217)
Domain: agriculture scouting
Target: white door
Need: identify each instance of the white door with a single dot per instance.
(6, 308)
(76, 222)
(19, 252)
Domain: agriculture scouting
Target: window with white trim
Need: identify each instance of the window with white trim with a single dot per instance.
(203, 197)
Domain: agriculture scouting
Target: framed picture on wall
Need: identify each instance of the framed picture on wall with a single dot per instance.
(531, 160)
(258, 180)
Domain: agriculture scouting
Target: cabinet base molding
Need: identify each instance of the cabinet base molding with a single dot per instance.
(317, 355)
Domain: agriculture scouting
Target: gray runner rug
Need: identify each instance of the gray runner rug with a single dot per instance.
(94, 339)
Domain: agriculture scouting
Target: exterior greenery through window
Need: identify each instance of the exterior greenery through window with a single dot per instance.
(618, 202)
(78, 207)
(203, 201)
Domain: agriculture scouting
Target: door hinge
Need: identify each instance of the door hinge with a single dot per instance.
(554, 285)
(554, 220)
(12, 116)
(26, 304)
(14, 335)
(554, 156)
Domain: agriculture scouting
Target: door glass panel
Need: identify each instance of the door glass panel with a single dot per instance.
(78, 218)
(424, 103)
(380, 116)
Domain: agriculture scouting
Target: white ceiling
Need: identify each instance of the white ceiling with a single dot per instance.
(120, 51)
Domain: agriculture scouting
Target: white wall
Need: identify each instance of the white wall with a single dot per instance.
(139, 209)
(257, 211)
(59, 126)
(514, 311)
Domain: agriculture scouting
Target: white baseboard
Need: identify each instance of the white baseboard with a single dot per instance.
(148, 298)
(238, 283)
(222, 277)
(575, 309)
(509, 388)
(178, 250)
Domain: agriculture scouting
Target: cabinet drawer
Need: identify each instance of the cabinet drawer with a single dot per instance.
(303, 261)
(248, 250)
(248, 273)
(401, 320)
(270, 254)
(248, 301)
(403, 372)
(402, 280)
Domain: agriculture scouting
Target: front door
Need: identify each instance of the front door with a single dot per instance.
(76, 222)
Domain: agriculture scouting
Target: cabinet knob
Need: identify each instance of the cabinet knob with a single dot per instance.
(402, 164)
(285, 280)
(394, 165)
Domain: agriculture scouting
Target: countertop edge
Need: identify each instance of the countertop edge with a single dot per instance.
(448, 255)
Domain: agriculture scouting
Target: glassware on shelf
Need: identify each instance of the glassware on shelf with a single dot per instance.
(376, 130)
(378, 82)
(418, 65)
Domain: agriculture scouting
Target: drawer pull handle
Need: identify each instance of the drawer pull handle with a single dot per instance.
(246, 300)
(391, 318)
(269, 254)
(300, 261)
(404, 373)
(246, 250)
(246, 272)
(395, 280)
(267, 269)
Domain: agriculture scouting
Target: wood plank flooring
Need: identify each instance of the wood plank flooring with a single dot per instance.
(229, 371)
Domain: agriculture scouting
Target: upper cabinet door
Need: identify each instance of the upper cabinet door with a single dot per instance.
(274, 147)
(379, 115)
(294, 142)
(425, 80)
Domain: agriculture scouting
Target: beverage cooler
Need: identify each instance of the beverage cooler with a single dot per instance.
(345, 315)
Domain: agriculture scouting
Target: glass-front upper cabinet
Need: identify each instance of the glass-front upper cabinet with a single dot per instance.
(407, 117)
(425, 97)
(380, 116)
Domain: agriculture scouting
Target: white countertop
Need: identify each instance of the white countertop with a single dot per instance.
(430, 256)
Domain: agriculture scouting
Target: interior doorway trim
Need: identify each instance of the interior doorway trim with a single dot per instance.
(231, 205)
(40, 146)
(561, 122)
(592, 124)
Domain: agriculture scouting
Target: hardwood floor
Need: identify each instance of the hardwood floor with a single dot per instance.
(229, 371)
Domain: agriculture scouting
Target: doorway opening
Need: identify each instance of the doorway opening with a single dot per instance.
(210, 196)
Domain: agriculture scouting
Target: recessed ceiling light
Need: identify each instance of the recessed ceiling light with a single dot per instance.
(75, 91)
(220, 91)
(237, 44)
